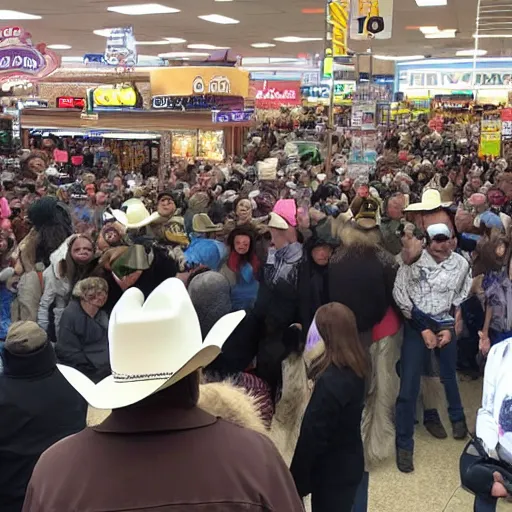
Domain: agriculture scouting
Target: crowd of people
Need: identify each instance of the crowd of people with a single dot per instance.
(314, 306)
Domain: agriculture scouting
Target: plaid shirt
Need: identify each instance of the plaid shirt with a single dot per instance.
(432, 287)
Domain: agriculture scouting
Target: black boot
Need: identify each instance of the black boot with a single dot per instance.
(460, 430)
(435, 428)
(404, 460)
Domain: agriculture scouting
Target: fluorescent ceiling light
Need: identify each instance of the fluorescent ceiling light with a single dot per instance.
(152, 43)
(59, 47)
(175, 40)
(218, 18)
(431, 3)
(429, 30)
(448, 33)
(142, 9)
(77, 58)
(223, 0)
(491, 36)
(177, 55)
(207, 47)
(104, 32)
(262, 45)
(398, 58)
(471, 53)
(16, 15)
(295, 39)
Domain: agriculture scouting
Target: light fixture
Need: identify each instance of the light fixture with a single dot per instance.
(175, 40)
(448, 33)
(429, 30)
(103, 32)
(313, 10)
(152, 43)
(263, 45)
(471, 53)
(207, 47)
(431, 3)
(399, 58)
(491, 36)
(295, 39)
(218, 18)
(142, 9)
(16, 15)
(223, 0)
(178, 55)
(59, 47)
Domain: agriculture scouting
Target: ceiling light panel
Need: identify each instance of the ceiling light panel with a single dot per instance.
(175, 40)
(16, 15)
(263, 45)
(218, 18)
(296, 39)
(429, 30)
(152, 43)
(142, 9)
(207, 47)
(178, 55)
(103, 32)
(442, 34)
(471, 53)
(431, 3)
(59, 47)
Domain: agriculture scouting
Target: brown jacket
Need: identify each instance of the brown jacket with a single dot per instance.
(154, 458)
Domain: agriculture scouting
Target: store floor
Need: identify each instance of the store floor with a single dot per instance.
(435, 484)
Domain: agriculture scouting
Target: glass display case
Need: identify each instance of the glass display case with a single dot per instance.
(184, 143)
(211, 145)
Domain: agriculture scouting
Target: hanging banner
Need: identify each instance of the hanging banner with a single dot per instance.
(364, 115)
(490, 134)
(228, 116)
(121, 50)
(371, 19)
(506, 124)
(337, 18)
(21, 60)
(272, 94)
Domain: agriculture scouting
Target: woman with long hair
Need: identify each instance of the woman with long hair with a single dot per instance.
(329, 461)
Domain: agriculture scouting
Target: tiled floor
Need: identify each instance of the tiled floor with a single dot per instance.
(435, 485)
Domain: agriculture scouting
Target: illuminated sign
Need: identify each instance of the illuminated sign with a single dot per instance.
(32, 104)
(454, 79)
(203, 102)
(70, 102)
(241, 116)
(121, 50)
(274, 94)
(116, 96)
(20, 60)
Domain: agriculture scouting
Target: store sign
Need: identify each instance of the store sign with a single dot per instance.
(241, 116)
(198, 81)
(371, 19)
(20, 60)
(454, 79)
(204, 102)
(364, 115)
(490, 134)
(115, 96)
(274, 94)
(70, 102)
(506, 124)
(121, 50)
(32, 104)
(315, 91)
(338, 19)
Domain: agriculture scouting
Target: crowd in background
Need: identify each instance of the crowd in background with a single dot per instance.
(363, 287)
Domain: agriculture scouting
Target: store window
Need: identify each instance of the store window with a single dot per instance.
(184, 143)
(211, 145)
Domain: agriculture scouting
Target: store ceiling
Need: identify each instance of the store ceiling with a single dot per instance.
(72, 22)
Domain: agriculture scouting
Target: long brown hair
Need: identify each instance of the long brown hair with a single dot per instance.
(337, 326)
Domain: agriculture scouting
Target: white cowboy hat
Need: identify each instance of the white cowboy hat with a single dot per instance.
(135, 216)
(430, 200)
(153, 345)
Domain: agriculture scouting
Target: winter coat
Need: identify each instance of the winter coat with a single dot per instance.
(207, 252)
(83, 341)
(37, 408)
(244, 286)
(6, 298)
(56, 291)
(329, 458)
(215, 475)
(25, 305)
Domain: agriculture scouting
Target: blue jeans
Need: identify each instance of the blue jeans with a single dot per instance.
(485, 504)
(414, 352)
(361, 501)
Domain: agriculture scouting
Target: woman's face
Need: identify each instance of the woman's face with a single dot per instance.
(166, 207)
(82, 251)
(97, 299)
(37, 165)
(244, 210)
(321, 255)
(242, 244)
(117, 182)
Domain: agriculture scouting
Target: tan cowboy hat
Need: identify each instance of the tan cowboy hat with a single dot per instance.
(153, 345)
(134, 215)
(201, 223)
(430, 200)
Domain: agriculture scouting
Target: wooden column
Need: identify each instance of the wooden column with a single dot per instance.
(164, 167)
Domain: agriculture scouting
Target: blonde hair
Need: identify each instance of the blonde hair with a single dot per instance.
(91, 284)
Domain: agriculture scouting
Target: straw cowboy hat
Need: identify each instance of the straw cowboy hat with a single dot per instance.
(153, 345)
(430, 200)
(134, 215)
(201, 223)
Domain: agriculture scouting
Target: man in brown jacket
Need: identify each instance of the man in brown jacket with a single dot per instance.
(160, 452)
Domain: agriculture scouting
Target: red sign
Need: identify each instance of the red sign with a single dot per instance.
(506, 124)
(70, 102)
(21, 59)
(275, 94)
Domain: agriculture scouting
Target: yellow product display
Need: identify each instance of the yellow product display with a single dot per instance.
(108, 96)
(211, 145)
(184, 144)
(338, 18)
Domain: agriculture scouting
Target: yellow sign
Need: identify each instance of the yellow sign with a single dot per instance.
(196, 81)
(338, 18)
